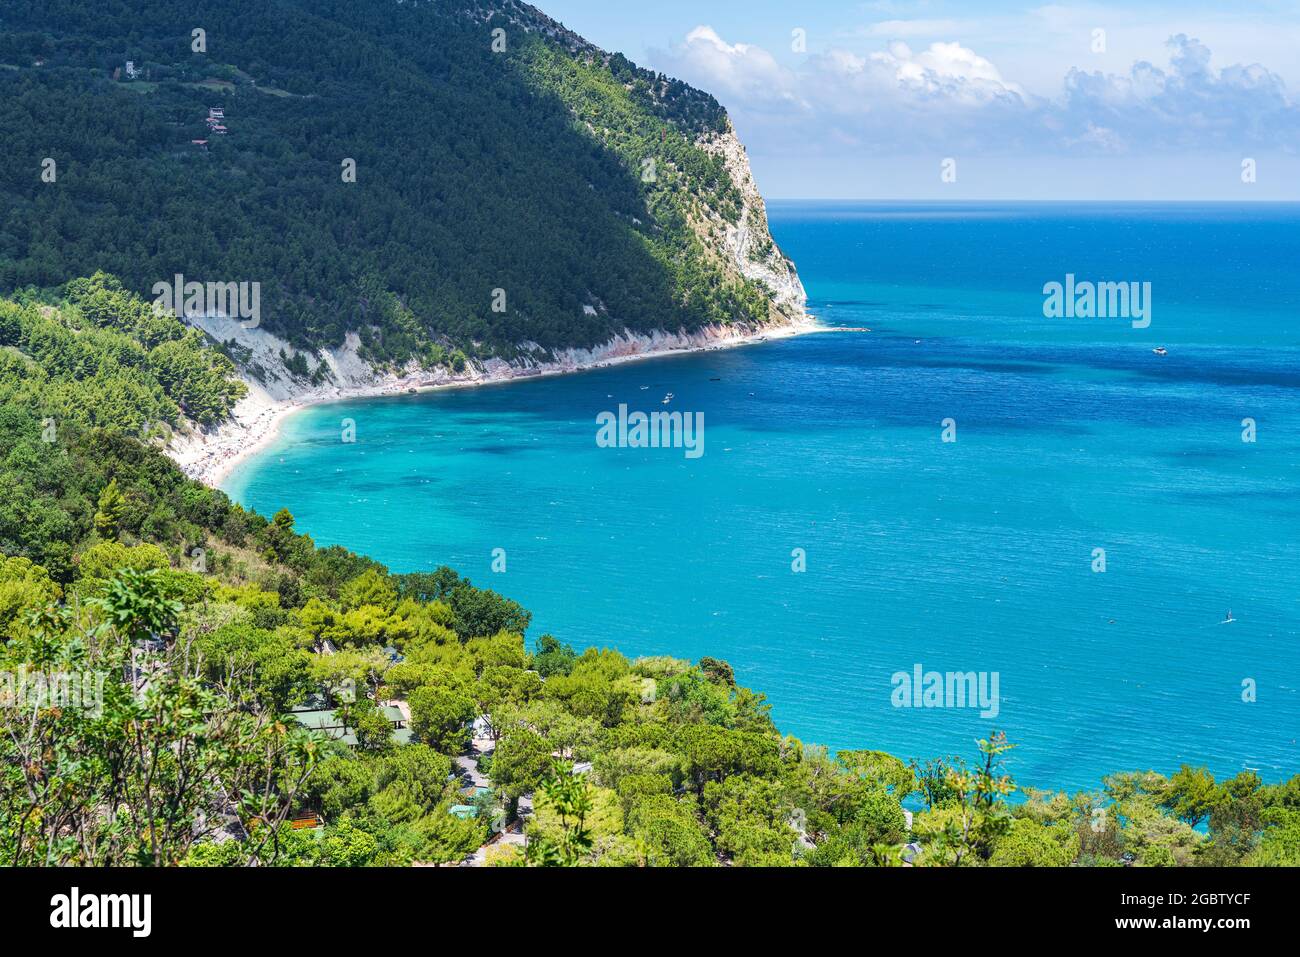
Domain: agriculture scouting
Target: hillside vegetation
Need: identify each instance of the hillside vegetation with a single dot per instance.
(545, 193)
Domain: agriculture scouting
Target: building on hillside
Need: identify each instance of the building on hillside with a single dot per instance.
(131, 71)
(316, 701)
(474, 790)
(305, 819)
(328, 722)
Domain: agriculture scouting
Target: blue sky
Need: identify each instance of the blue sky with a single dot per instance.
(1028, 100)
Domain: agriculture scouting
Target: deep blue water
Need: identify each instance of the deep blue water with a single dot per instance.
(970, 556)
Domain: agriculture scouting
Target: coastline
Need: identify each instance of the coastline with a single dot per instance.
(210, 456)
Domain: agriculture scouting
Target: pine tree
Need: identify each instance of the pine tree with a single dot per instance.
(112, 505)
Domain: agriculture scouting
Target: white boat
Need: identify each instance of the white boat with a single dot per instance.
(1160, 351)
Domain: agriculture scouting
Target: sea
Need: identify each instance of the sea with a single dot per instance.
(1094, 520)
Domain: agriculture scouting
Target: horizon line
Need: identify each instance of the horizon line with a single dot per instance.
(1001, 199)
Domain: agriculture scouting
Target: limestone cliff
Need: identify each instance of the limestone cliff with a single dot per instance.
(748, 241)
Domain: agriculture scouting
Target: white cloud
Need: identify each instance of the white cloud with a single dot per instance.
(946, 69)
(1188, 105)
(947, 96)
(894, 97)
(741, 71)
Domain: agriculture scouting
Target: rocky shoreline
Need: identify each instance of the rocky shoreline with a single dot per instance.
(210, 455)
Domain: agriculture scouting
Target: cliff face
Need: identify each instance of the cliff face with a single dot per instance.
(748, 242)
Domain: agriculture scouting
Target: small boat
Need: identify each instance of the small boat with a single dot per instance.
(644, 387)
(1228, 620)
(1160, 351)
(668, 398)
(716, 379)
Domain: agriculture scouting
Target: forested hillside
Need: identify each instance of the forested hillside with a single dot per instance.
(164, 652)
(541, 191)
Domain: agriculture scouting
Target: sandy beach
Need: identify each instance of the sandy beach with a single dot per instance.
(211, 455)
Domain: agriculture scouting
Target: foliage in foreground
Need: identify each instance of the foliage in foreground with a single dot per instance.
(194, 628)
(188, 757)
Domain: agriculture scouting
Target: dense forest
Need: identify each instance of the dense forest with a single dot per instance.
(433, 176)
(160, 644)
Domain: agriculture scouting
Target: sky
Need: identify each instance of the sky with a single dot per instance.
(984, 99)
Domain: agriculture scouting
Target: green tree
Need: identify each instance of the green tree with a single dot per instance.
(111, 507)
(371, 587)
(552, 657)
(411, 782)
(441, 716)
(136, 604)
(567, 796)
(964, 826)
(1191, 794)
(670, 833)
(371, 726)
(520, 762)
(1028, 843)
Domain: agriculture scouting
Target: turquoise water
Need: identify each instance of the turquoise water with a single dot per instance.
(968, 556)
